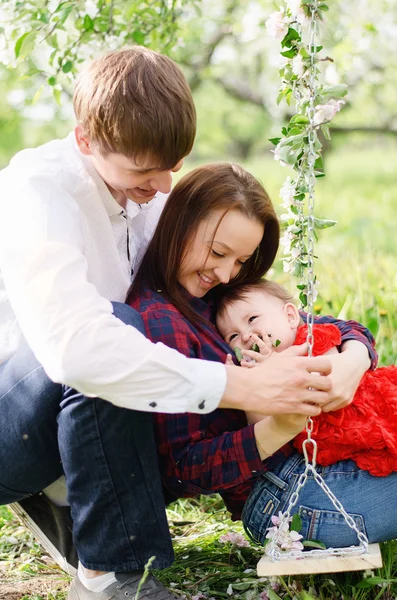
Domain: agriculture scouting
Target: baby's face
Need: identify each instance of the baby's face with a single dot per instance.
(261, 314)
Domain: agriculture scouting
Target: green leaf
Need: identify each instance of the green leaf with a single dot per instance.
(323, 223)
(52, 41)
(37, 95)
(372, 581)
(326, 133)
(238, 354)
(290, 53)
(65, 13)
(25, 44)
(51, 80)
(276, 344)
(299, 119)
(88, 23)
(323, 7)
(255, 348)
(272, 595)
(67, 66)
(335, 91)
(303, 299)
(138, 37)
(296, 523)
(57, 95)
(314, 544)
(274, 141)
(305, 596)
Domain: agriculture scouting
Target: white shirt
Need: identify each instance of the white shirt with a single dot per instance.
(63, 258)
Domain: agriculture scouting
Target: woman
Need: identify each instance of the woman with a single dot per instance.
(218, 227)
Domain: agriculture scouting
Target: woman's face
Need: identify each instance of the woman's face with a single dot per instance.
(217, 251)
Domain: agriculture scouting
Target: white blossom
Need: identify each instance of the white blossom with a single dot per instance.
(277, 25)
(302, 18)
(298, 65)
(294, 6)
(326, 112)
(287, 193)
(281, 536)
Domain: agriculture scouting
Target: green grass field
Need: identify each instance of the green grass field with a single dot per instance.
(356, 268)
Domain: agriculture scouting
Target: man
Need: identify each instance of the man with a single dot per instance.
(78, 380)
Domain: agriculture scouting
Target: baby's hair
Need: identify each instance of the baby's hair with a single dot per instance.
(236, 293)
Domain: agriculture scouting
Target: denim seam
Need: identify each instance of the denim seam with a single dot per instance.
(20, 380)
(113, 486)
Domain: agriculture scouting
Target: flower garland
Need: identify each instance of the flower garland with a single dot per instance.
(295, 26)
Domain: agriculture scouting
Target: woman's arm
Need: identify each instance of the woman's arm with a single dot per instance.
(357, 355)
(351, 331)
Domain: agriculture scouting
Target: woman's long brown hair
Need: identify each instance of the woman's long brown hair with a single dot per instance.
(212, 187)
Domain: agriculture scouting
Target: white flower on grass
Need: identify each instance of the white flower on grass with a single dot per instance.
(298, 65)
(277, 26)
(326, 112)
(236, 539)
(287, 193)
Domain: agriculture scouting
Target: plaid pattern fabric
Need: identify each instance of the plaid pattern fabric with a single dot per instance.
(215, 452)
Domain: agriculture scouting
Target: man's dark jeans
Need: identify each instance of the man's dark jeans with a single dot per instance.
(107, 453)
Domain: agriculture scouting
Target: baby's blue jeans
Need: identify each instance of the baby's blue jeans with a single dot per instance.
(370, 501)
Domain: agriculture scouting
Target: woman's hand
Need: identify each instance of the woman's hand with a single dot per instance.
(348, 367)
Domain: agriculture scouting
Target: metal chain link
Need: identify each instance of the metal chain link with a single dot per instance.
(272, 548)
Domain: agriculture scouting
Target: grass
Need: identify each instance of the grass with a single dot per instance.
(356, 268)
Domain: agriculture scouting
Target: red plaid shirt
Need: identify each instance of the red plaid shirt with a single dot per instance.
(215, 452)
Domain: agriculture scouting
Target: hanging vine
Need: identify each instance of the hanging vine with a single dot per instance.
(296, 26)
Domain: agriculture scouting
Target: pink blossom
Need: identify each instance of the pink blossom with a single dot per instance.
(277, 26)
(326, 112)
(235, 539)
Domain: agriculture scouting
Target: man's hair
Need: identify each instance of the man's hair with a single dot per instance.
(214, 187)
(240, 292)
(136, 102)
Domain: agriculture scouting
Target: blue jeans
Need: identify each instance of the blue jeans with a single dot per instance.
(107, 453)
(371, 502)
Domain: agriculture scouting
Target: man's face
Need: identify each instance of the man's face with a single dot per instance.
(260, 314)
(124, 177)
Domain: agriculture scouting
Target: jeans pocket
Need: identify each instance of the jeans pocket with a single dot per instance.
(8, 496)
(261, 504)
(329, 527)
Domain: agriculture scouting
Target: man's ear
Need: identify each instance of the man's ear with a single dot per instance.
(292, 314)
(82, 140)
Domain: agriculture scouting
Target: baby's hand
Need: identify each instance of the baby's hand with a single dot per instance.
(259, 351)
(229, 360)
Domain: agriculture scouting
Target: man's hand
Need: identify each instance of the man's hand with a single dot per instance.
(348, 367)
(282, 384)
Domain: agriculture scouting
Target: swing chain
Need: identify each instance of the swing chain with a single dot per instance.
(272, 548)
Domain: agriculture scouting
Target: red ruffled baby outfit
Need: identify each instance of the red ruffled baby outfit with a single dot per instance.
(366, 430)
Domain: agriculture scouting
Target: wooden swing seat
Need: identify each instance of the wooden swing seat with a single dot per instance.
(372, 559)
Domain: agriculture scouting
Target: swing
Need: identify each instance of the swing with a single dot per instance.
(353, 558)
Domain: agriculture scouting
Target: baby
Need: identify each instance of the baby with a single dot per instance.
(264, 315)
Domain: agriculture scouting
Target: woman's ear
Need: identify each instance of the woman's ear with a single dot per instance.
(292, 314)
